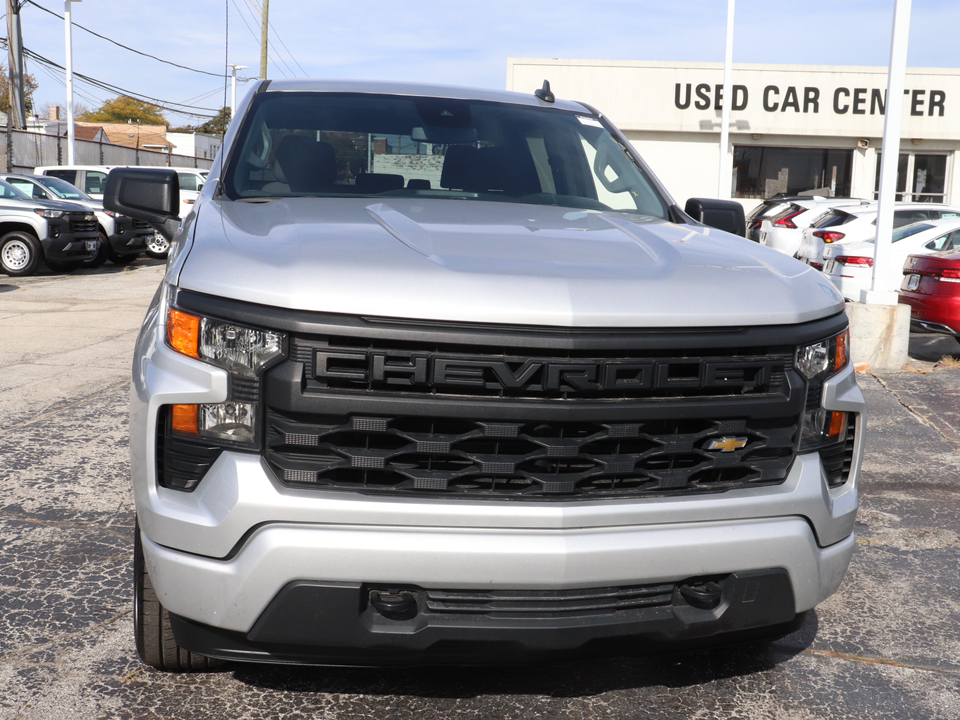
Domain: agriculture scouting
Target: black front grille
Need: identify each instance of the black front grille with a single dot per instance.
(142, 225)
(534, 460)
(464, 412)
(79, 224)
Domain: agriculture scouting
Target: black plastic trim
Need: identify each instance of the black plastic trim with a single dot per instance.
(528, 336)
(335, 623)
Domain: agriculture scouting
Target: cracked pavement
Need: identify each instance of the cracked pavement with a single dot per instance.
(887, 645)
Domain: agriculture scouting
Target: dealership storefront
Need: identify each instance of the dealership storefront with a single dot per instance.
(794, 129)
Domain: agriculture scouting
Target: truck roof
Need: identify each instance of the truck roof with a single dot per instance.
(417, 90)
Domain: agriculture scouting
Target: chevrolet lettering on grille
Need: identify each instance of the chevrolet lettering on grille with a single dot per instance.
(542, 375)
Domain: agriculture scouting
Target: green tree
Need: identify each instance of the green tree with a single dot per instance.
(29, 85)
(218, 124)
(123, 109)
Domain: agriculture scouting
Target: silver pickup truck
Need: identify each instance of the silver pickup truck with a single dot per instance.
(445, 375)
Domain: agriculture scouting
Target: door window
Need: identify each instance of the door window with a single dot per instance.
(950, 241)
(921, 177)
(94, 182)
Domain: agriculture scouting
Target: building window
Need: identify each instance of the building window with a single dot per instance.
(920, 177)
(762, 172)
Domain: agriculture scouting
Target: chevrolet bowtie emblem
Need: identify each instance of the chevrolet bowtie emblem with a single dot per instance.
(726, 444)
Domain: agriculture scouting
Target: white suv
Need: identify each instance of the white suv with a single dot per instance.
(784, 231)
(847, 225)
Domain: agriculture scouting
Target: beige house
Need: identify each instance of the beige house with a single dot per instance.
(134, 135)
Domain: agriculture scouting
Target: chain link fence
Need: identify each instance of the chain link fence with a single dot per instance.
(21, 151)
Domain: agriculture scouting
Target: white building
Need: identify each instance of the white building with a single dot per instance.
(794, 128)
(198, 145)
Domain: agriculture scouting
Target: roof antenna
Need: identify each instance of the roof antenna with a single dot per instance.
(544, 93)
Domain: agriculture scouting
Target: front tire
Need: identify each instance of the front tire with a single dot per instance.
(158, 246)
(156, 645)
(101, 257)
(20, 254)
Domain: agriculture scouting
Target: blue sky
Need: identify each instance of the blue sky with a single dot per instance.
(449, 42)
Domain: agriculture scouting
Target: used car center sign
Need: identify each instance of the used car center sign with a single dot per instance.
(858, 101)
(766, 99)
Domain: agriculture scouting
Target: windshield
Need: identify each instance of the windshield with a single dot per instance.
(830, 219)
(327, 144)
(64, 190)
(9, 192)
(909, 230)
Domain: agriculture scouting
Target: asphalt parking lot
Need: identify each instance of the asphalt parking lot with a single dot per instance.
(887, 645)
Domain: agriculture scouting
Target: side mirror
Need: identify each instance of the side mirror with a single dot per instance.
(721, 214)
(148, 194)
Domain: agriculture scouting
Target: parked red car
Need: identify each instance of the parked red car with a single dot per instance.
(931, 287)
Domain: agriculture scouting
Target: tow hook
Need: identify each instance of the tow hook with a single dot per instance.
(394, 605)
(703, 595)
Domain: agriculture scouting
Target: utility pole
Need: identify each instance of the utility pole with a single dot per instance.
(264, 26)
(18, 112)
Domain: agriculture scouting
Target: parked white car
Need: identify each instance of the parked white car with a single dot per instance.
(784, 231)
(849, 266)
(849, 225)
(766, 209)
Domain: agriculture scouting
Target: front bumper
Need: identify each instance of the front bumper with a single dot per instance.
(67, 247)
(126, 239)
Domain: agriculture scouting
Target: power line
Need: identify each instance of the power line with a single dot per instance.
(252, 33)
(125, 47)
(169, 106)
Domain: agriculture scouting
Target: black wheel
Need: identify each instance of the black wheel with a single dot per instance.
(20, 254)
(156, 644)
(121, 259)
(158, 247)
(101, 257)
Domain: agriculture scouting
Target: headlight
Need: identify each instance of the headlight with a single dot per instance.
(824, 358)
(111, 213)
(48, 213)
(818, 362)
(243, 352)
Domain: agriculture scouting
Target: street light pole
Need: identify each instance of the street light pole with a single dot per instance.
(68, 30)
(723, 183)
(892, 121)
(233, 95)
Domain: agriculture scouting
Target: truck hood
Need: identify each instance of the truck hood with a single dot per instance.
(494, 262)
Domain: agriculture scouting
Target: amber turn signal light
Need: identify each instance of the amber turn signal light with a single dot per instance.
(183, 332)
(186, 419)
